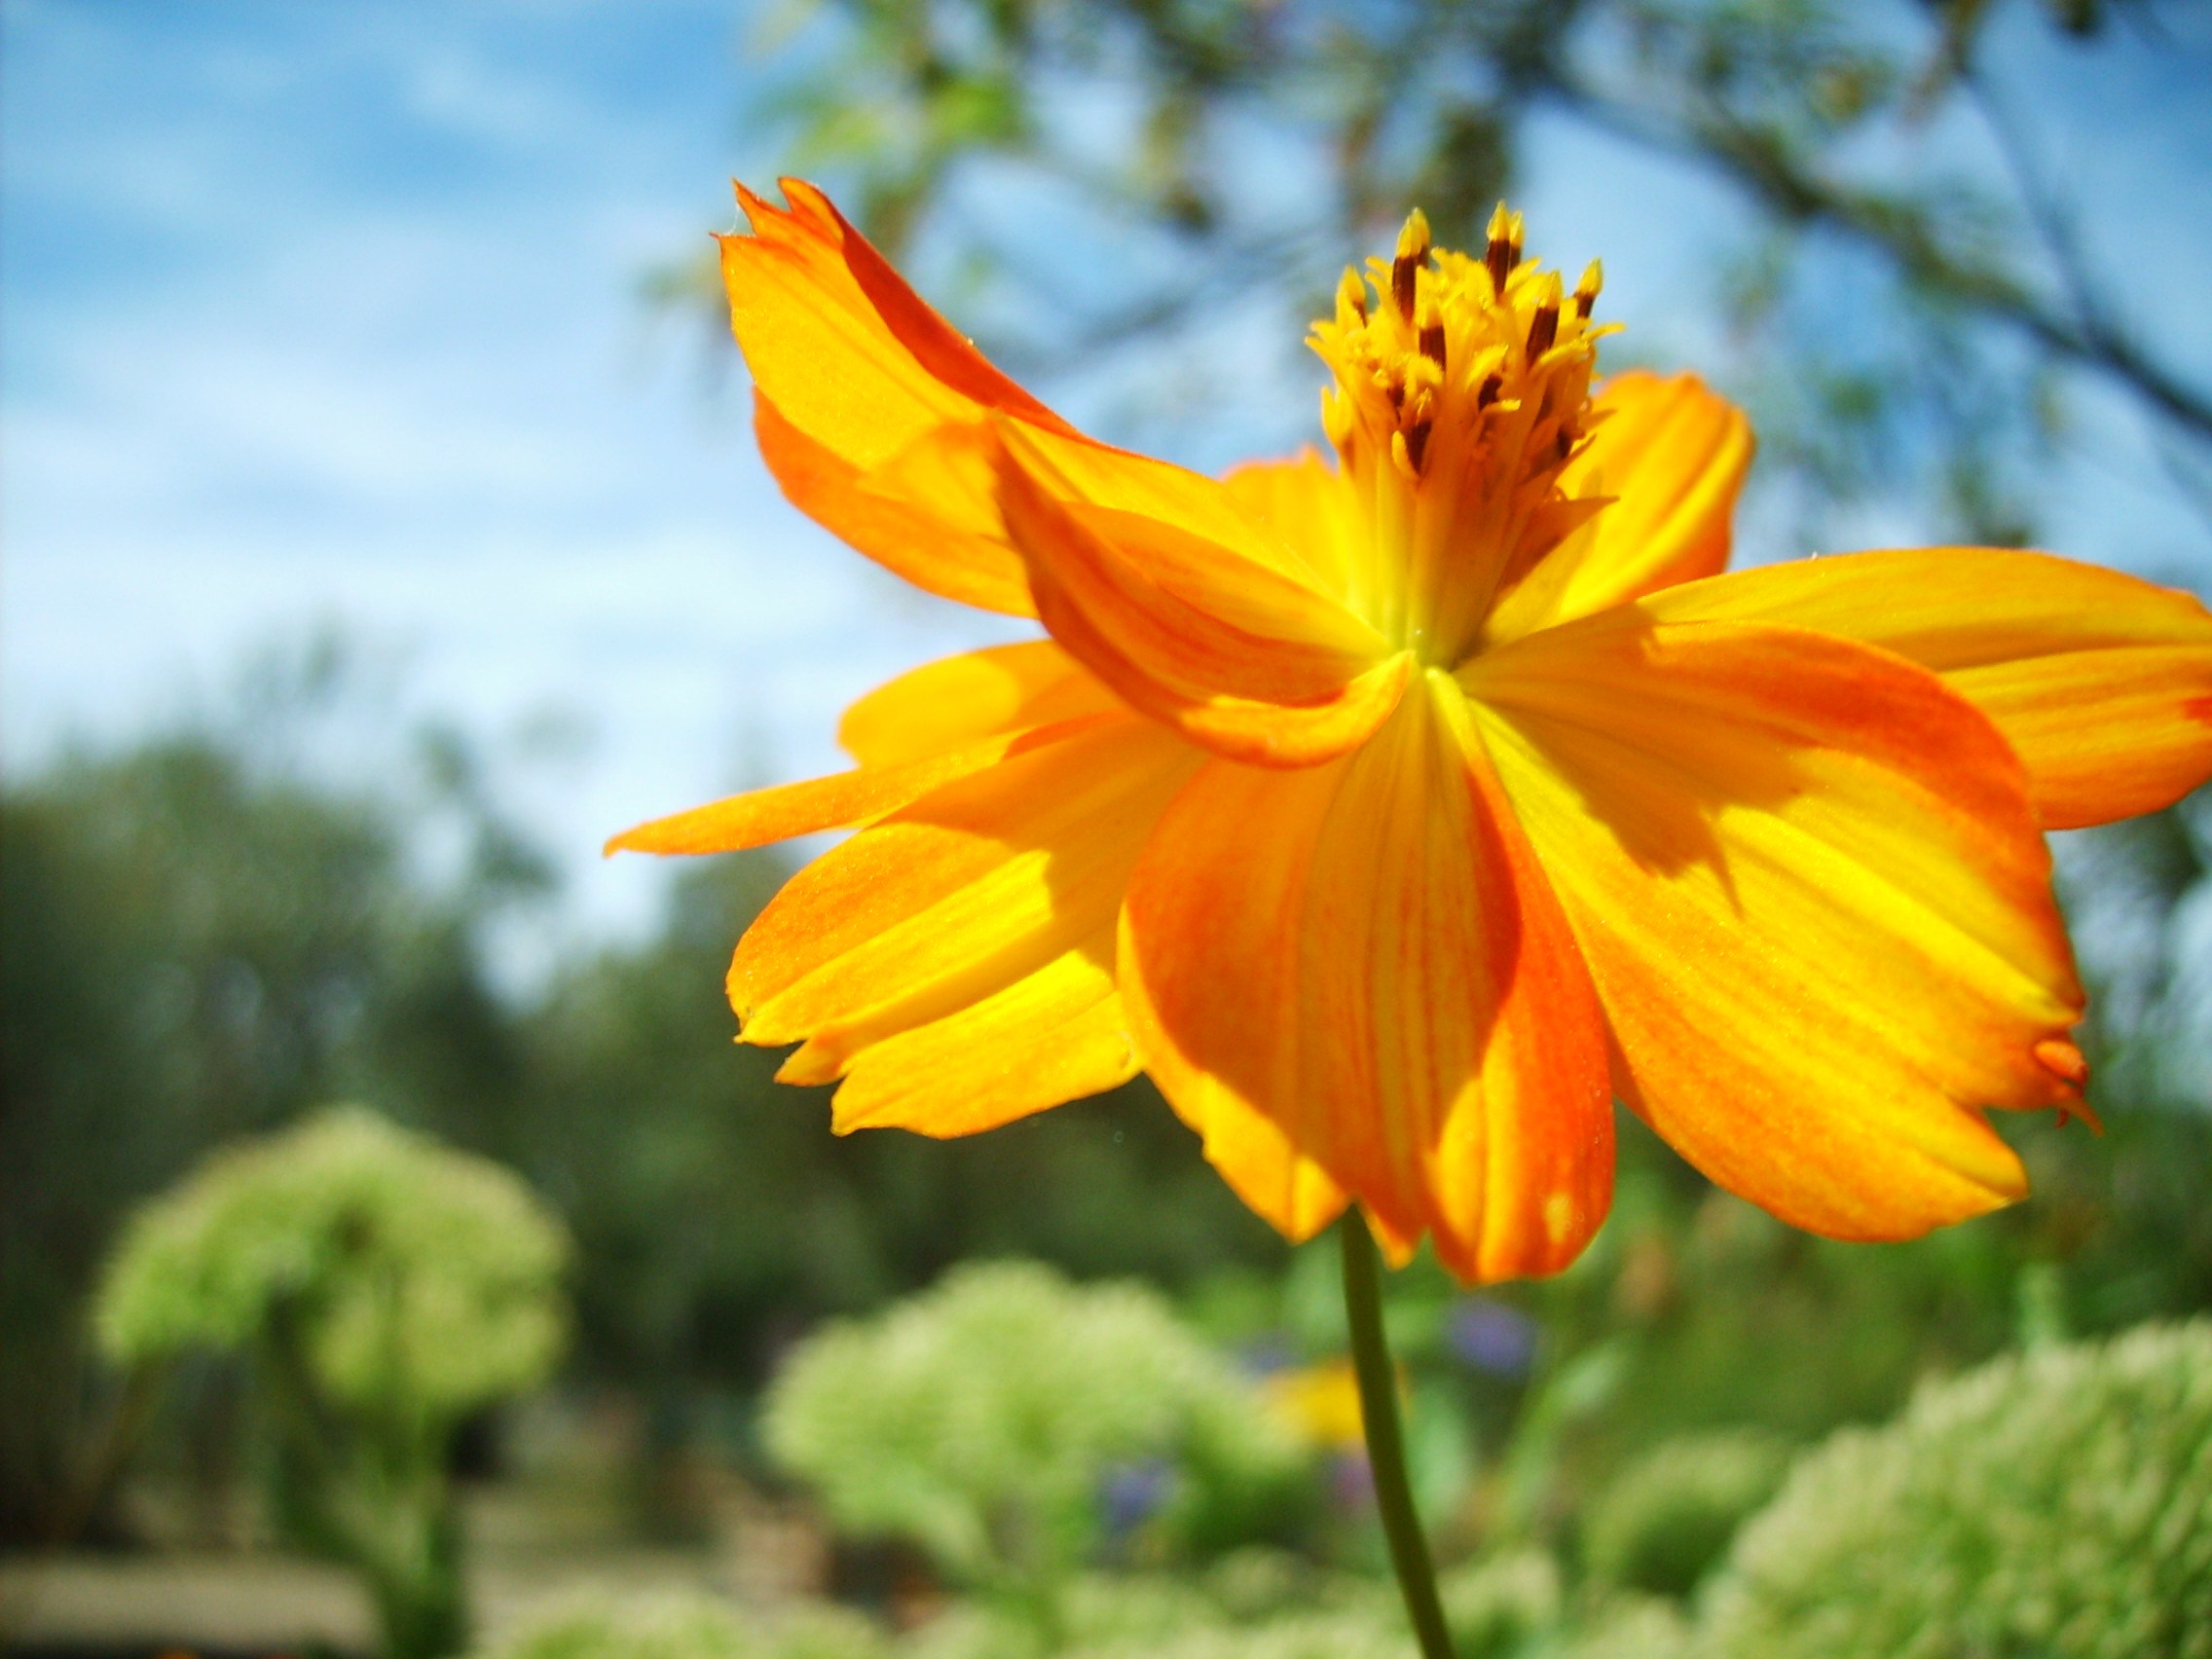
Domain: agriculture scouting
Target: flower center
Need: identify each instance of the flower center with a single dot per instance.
(1463, 389)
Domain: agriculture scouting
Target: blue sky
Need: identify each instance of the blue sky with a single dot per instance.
(329, 314)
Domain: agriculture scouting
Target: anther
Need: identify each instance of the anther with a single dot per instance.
(1503, 251)
(1416, 443)
(1543, 329)
(1486, 395)
(1413, 248)
(1433, 334)
(1586, 290)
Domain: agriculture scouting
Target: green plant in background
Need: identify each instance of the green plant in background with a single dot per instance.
(688, 1627)
(1669, 1516)
(381, 1288)
(1010, 1422)
(2058, 1504)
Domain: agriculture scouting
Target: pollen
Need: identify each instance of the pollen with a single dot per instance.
(1463, 391)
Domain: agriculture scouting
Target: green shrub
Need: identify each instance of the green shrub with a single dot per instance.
(381, 1287)
(689, 1627)
(1669, 1516)
(1633, 1626)
(986, 1419)
(2056, 1504)
(1498, 1606)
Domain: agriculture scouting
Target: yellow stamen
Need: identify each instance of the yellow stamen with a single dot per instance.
(1457, 405)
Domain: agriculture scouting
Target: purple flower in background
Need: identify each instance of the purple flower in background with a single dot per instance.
(1351, 1481)
(1132, 1494)
(1492, 1337)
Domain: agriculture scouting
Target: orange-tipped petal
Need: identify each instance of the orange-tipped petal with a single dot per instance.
(1361, 964)
(957, 700)
(963, 895)
(840, 344)
(776, 813)
(869, 401)
(1672, 454)
(1810, 886)
(1242, 657)
(2101, 683)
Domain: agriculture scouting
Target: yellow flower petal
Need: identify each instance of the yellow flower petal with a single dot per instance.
(763, 815)
(933, 912)
(1055, 1035)
(958, 700)
(1308, 509)
(1364, 955)
(1672, 454)
(2101, 683)
(1814, 900)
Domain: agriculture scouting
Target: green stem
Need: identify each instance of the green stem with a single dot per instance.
(1385, 1439)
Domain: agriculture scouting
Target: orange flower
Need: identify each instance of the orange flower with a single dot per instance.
(1397, 814)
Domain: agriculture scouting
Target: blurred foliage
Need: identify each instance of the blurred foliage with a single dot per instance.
(380, 1287)
(1012, 1424)
(687, 1627)
(201, 936)
(1669, 1516)
(411, 1284)
(1904, 285)
(2056, 1503)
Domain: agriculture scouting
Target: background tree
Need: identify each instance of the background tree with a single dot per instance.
(1910, 299)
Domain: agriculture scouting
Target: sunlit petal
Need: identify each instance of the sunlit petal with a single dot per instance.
(1672, 454)
(927, 513)
(1364, 956)
(2101, 683)
(972, 890)
(763, 815)
(1238, 655)
(1054, 1034)
(1304, 504)
(958, 700)
(1812, 892)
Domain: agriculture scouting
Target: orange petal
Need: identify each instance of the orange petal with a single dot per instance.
(927, 513)
(1238, 655)
(1305, 506)
(839, 343)
(1364, 958)
(869, 401)
(957, 700)
(1809, 884)
(761, 816)
(2101, 683)
(1672, 454)
(941, 910)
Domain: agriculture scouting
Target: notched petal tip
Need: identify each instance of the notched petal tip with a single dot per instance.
(2063, 1060)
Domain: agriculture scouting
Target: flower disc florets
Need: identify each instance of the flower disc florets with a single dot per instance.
(1462, 390)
